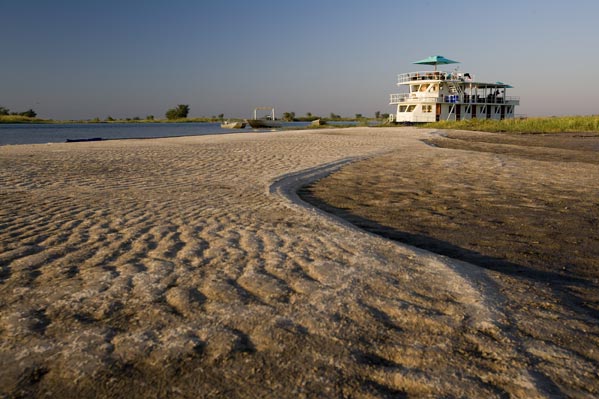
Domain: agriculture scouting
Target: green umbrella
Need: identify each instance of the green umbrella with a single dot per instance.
(436, 60)
(505, 85)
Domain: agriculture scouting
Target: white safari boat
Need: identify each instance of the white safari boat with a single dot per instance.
(437, 95)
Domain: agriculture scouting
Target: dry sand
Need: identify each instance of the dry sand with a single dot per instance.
(187, 267)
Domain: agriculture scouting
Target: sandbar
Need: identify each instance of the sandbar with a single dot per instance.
(187, 267)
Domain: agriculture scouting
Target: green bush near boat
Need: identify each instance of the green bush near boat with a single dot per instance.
(562, 124)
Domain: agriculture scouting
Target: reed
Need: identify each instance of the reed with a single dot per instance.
(562, 124)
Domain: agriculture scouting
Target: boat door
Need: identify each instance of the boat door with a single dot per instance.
(438, 113)
(458, 112)
(503, 112)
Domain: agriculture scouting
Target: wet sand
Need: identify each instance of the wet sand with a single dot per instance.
(188, 267)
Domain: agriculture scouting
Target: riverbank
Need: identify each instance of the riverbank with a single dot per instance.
(186, 267)
(538, 125)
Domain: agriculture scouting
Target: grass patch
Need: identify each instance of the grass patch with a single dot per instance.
(562, 124)
(20, 119)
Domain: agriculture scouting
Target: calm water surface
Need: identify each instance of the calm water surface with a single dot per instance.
(59, 133)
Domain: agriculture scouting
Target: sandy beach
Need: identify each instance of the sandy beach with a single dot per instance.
(188, 267)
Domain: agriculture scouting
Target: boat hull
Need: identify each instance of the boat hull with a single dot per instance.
(262, 123)
(233, 125)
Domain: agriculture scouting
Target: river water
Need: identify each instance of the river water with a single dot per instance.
(59, 133)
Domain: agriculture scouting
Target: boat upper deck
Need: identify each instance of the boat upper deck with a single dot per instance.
(466, 99)
(440, 76)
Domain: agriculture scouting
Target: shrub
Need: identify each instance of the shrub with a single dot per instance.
(180, 112)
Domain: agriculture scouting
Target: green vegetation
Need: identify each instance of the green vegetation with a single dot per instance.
(21, 119)
(180, 112)
(562, 124)
(6, 116)
(289, 116)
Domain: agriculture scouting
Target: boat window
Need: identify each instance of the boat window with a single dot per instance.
(402, 108)
(423, 87)
(427, 108)
(411, 108)
(414, 87)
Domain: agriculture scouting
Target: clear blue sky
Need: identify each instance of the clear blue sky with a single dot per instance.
(81, 59)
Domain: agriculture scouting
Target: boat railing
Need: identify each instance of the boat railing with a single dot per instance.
(434, 75)
(412, 97)
(490, 99)
(466, 99)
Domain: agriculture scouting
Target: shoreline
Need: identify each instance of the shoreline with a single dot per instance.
(64, 131)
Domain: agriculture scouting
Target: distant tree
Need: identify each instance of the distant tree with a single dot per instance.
(335, 116)
(180, 112)
(29, 113)
(136, 118)
(359, 116)
(183, 110)
(109, 119)
(171, 114)
(385, 116)
(309, 114)
(221, 116)
(95, 120)
(150, 117)
(289, 116)
(377, 114)
(4, 111)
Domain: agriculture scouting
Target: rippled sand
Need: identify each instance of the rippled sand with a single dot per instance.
(186, 267)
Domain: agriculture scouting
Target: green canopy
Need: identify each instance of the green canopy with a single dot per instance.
(436, 60)
(505, 85)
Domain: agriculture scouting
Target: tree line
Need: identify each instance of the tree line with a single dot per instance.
(181, 111)
(29, 113)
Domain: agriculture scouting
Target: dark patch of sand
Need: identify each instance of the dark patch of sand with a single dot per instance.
(528, 212)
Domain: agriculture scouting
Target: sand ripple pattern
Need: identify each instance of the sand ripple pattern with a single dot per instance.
(170, 268)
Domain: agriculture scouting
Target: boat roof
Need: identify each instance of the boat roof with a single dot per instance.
(436, 60)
